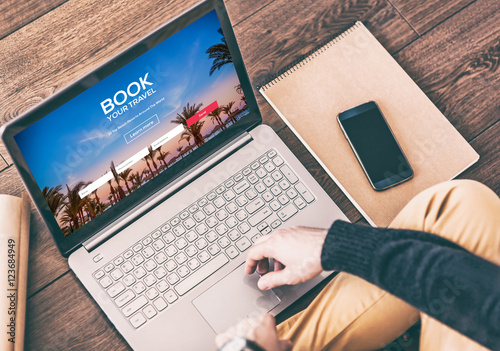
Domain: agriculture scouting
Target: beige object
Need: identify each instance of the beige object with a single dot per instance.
(352, 69)
(14, 236)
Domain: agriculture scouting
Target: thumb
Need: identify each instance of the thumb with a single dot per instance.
(285, 345)
(273, 279)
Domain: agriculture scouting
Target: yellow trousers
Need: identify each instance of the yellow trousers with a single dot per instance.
(352, 314)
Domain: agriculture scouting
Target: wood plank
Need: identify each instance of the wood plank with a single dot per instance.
(319, 174)
(457, 66)
(278, 35)
(424, 15)
(15, 14)
(64, 317)
(45, 262)
(487, 169)
(239, 11)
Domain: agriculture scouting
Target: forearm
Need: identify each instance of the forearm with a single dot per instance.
(433, 274)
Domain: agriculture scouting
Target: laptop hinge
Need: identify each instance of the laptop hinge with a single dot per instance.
(161, 195)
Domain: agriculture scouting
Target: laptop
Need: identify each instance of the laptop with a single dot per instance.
(155, 175)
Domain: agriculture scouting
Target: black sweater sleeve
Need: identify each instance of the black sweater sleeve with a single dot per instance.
(433, 274)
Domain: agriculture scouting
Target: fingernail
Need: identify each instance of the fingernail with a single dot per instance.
(263, 285)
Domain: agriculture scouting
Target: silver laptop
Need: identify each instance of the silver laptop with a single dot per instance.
(155, 176)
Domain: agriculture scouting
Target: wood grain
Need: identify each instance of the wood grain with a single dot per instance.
(64, 317)
(15, 14)
(278, 35)
(457, 66)
(426, 14)
(487, 169)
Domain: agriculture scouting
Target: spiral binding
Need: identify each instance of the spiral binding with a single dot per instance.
(302, 60)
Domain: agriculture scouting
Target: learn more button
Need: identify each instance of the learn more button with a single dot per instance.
(142, 128)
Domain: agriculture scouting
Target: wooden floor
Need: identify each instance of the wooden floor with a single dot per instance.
(450, 48)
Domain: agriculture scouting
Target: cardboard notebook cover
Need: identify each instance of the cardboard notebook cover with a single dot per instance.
(352, 69)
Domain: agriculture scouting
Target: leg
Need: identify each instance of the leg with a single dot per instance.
(467, 213)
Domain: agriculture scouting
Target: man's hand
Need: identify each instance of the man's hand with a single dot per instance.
(298, 249)
(261, 330)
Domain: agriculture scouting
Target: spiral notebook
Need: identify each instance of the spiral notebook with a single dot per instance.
(349, 70)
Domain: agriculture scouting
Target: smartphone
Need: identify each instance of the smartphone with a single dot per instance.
(375, 146)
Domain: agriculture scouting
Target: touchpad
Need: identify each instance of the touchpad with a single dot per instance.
(233, 298)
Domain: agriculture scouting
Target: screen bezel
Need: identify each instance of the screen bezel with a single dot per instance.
(68, 244)
(387, 182)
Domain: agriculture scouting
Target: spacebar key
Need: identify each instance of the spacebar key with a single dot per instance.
(201, 274)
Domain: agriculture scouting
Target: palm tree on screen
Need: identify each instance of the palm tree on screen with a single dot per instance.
(54, 198)
(215, 116)
(193, 130)
(219, 53)
(98, 201)
(162, 157)
(112, 191)
(179, 150)
(227, 110)
(119, 190)
(124, 175)
(152, 154)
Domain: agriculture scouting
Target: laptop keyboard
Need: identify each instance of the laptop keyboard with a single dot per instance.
(164, 265)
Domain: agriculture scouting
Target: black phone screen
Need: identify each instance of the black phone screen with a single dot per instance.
(377, 150)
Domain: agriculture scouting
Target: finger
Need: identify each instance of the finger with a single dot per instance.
(263, 266)
(285, 345)
(273, 279)
(278, 266)
(257, 253)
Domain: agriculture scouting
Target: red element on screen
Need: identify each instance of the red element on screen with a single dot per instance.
(202, 113)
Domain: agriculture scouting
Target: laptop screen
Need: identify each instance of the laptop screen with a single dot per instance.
(97, 149)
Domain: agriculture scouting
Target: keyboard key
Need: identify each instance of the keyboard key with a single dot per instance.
(150, 280)
(292, 178)
(124, 298)
(229, 183)
(147, 241)
(165, 228)
(276, 190)
(301, 189)
(221, 215)
(116, 289)
(241, 215)
(129, 280)
(275, 205)
(284, 184)
(98, 257)
(211, 236)
(134, 306)
(299, 203)
(283, 199)
(242, 201)
(116, 274)
(184, 215)
(266, 231)
(118, 261)
(171, 250)
(189, 223)
(175, 221)
(243, 227)
(255, 205)
(261, 172)
(158, 245)
(252, 178)
(275, 224)
(202, 229)
(268, 181)
(137, 259)
(241, 187)
(191, 236)
(255, 237)
(211, 222)
(199, 216)
(255, 165)
(267, 196)
(168, 238)
(234, 234)
(193, 264)
(181, 243)
(160, 272)
(173, 278)
(148, 252)
(139, 287)
(162, 286)
(202, 202)
(204, 256)
(171, 265)
(99, 274)
(211, 196)
(261, 226)
(278, 161)
(271, 153)
(201, 244)
(152, 293)
(140, 272)
(219, 202)
(181, 258)
(269, 167)
(263, 159)
(109, 267)
(291, 193)
(260, 187)
(150, 265)
(156, 234)
(191, 250)
(251, 194)
(127, 267)
(170, 296)
(223, 242)
(287, 212)
(231, 222)
(149, 311)
(179, 230)
(209, 209)
(246, 171)
(243, 244)
(231, 208)
(238, 177)
(214, 249)
(232, 252)
(220, 189)
(260, 216)
(229, 195)
(128, 254)
(137, 320)
(160, 304)
(201, 274)
(221, 229)
(137, 247)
